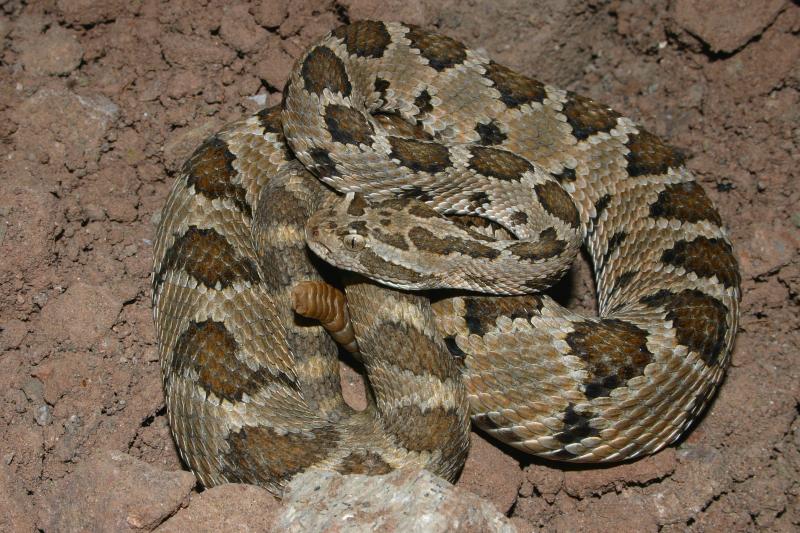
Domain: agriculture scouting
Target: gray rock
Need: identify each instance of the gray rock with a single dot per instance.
(404, 500)
(44, 415)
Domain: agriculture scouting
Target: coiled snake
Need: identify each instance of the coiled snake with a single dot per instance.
(416, 126)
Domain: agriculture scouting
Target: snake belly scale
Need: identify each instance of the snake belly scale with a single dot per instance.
(418, 127)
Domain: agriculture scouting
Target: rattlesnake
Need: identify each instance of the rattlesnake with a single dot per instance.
(420, 126)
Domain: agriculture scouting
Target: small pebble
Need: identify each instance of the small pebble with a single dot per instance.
(73, 423)
(259, 99)
(40, 299)
(44, 415)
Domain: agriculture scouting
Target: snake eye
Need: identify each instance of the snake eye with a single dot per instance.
(354, 242)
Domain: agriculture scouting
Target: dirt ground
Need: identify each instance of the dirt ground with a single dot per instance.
(101, 102)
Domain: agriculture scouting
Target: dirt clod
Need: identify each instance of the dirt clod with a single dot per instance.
(116, 493)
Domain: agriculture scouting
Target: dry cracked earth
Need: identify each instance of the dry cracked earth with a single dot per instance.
(102, 100)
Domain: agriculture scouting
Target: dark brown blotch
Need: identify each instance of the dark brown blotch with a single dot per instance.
(426, 241)
(416, 192)
(548, 246)
(622, 281)
(381, 86)
(433, 429)
(414, 360)
(481, 312)
(614, 352)
(347, 126)
(471, 223)
(568, 174)
(587, 117)
(270, 119)
(599, 206)
(357, 206)
(323, 165)
(423, 103)
(210, 171)
(539, 284)
(209, 351)
(557, 202)
(395, 125)
(209, 258)
(613, 243)
(705, 257)
(519, 218)
(490, 134)
(499, 164)
(261, 455)
(686, 202)
(356, 226)
(422, 210)
(366, 38)
(700, 320)
(364, 462)
(441, 52)
(276, 267)
(650, 156)
(323, 70)
(394, 240)
(477, 200)
(390, 206)
(419, 156)
(374, 263)
(576, 426)
(515, 89)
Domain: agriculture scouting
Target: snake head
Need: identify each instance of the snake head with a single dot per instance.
(353, 234)
(336, 235)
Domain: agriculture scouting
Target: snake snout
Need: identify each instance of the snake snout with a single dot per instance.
(313, 230)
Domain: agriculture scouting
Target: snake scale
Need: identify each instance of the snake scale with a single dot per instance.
(403, 155)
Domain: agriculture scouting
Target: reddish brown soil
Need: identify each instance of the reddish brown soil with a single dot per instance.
(101, 102)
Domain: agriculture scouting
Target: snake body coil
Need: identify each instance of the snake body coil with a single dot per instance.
(394, 113)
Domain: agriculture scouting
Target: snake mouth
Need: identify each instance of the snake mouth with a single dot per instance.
(313, 233)
(319, 249)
